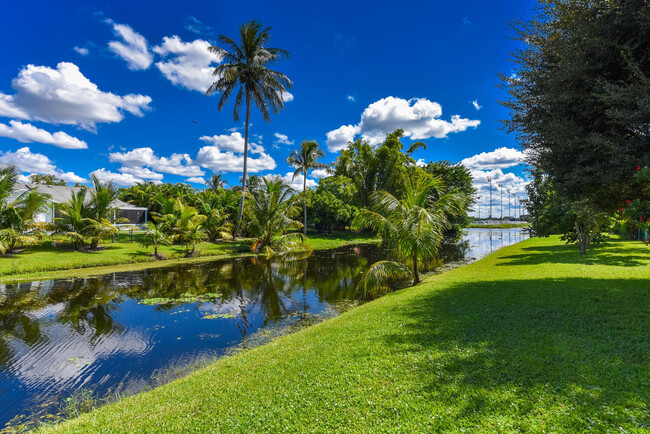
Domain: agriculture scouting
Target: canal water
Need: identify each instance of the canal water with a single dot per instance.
(121, 333)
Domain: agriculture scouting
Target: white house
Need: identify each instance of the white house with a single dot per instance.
(62, 193)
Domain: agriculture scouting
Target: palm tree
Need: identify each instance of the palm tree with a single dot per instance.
(303, 160)
(414, 225)
(270, 212)
(74, 218)
(216, 223)
(102, 196)
(216, 182)
(245, 66)
(154, 237)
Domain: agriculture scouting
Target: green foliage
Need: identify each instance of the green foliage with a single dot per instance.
(270, 211)
(414, 225)
(46, 179)
(375, 168)
(332, 202)
(154, 237)
(636, 213)
(579, 102)
(459, 179)
(550, 212)
(381, 277)
(303, 160)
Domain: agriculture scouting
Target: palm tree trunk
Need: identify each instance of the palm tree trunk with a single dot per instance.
(416, 271)
(243, 190)
(304, 199)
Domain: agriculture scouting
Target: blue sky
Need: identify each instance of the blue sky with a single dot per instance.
(118, 87)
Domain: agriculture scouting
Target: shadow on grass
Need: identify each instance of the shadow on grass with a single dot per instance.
(630, 256)
(570, 354)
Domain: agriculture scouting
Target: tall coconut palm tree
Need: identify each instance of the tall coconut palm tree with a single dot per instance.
(414, 225)
(304, 159)
(246, 67)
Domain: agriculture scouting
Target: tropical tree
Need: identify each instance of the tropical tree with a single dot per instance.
(102, 196)
(154, 237)
(578, 101)
(216, 224)
(271, 211)
(414, 225)
(303, 160)
(8, 180)
(98, 229)
(245, 67)
(216, 182)
(72, 220)
(17, 212)
(46, 180)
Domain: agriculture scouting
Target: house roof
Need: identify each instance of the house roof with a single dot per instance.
(63, 193)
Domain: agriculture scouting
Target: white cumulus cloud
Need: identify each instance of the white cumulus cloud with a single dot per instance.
(28, 133)
(418, 117)
(476, 105)
(196, 180)
(65, 96)
(176, 164)
(233, 142)
(213, 158)
(132, 47)
(320, 173)
(338, 139)
(34, 163)
(187, 64)
(123, 179)
(141, 172)
(500, 158)
(26, 161)
(71, 177)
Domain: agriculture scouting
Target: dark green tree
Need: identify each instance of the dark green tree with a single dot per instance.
(578, 101)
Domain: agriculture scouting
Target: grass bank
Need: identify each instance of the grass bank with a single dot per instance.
(47, 262)
(501, 226)
(534, 337)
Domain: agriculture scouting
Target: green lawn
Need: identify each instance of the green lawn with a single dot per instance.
(46, 262)
(531, 338)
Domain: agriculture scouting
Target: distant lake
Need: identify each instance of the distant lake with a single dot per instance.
(123, 332)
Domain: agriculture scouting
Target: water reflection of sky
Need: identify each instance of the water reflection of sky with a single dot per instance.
(59, 336)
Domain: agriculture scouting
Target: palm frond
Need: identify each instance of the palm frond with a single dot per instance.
(381, 276)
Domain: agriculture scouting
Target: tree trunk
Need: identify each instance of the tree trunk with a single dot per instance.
(304, 199)
(243, 190)
(155, 249)
(416, 271)
(583, 238)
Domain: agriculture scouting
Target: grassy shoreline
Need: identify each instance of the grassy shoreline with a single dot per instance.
(534, 337)
(42, 263)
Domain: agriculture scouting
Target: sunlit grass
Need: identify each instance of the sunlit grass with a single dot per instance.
(535, 337)
(45, 261)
